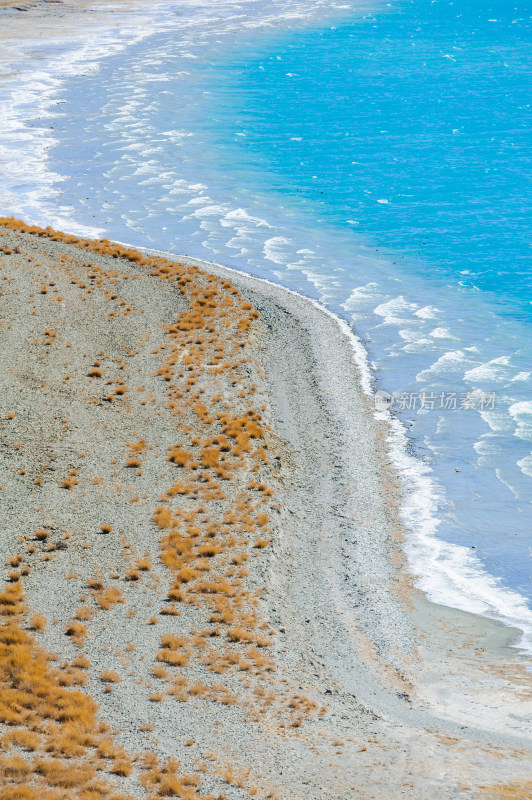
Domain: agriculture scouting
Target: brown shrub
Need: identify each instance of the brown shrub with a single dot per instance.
(179, 457)
(122, 767)
(107, 598)
(26, 740)
(76, 630)
(108, 676)
(38, 622)
(172, 659)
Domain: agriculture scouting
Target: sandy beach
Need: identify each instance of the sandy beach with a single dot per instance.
(203, 520)
(205, 592)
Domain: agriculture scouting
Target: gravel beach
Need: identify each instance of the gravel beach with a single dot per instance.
(199, 507)
(204, 588)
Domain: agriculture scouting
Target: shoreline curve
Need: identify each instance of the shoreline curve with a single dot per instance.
(401, 642)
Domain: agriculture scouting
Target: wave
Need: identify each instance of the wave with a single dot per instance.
(237, 227)
(448, 574)
(38, 70)
(29, 186)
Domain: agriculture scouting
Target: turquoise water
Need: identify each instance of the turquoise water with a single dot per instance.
(414, 126)
(379, 162)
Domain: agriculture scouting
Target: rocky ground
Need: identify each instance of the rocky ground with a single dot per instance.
(199, 550)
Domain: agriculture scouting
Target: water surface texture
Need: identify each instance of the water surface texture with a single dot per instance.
(380, 162)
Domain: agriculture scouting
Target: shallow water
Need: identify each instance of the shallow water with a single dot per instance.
(380, 163)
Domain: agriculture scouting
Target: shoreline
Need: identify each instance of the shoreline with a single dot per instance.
(69, 38)
(383, 647)
(486, 589)
(329, 576)
(477, 634)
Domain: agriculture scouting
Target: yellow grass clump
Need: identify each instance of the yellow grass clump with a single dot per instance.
(179, 457)
(44, 718)
(172, 659)
(107, 598)
(108, 676)
(77, 631)
(220, 443)
(38, 622)
(69, 482)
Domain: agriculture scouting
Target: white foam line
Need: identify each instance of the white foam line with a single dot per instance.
(29, 188)
(359, 351)
(33, 93)
(448, 574)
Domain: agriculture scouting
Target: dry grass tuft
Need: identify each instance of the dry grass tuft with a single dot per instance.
(172, 659)
(107, 598)
(95, 583)
(69, 482)
(123, 768)
(260, 544)
(169, 611)
(83, 614)
(24, 739)
(38, 622)
(179, 457)
(81, 662)
(204, 546)
(108, 676)
(77, 631)
(44, 716)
